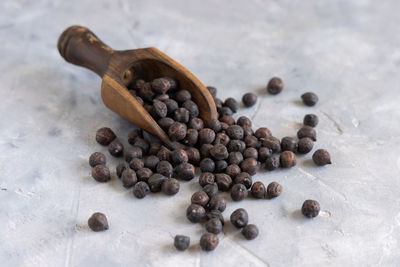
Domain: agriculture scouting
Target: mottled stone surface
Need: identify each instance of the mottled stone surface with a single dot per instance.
(348, 52)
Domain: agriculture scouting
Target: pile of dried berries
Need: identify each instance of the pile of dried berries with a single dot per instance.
(227, 151)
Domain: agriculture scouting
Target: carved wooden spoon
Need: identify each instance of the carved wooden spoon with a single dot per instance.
(79, 46)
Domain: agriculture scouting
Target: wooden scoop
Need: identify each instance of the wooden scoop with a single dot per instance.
(79, 46)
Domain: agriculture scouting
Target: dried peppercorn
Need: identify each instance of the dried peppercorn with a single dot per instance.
(244, 178)
(181, 242)
(250, 231)
(206, 178)
(225, 111)
(207, 165)
(192, 108)
(309, 99)
(251, 141)
(243, 121)
(191, 137)
(151, 162)
(170, 186)
(205, 150)
(196, 123)
(264, 153)
(214, 125)
(217, 203)
(97, 158)
(249, 99)
(220, 166)
(215, 214)
(134, 134)
(98, 222)
(129, 178)
(161, 85)
(310, 120)
(248, 131)
(165, 123)
(262, 132)
(181, 115)
(258, 190)
(287, 159)
(232, 170)
(143, 144)
(155, 181)
(219, 152)
(214, 226)
(272, 143)
(159, 109)
(104, 136)
(177, 131)
(321, 157)
(146, 92)
(249, 165)
(136, 164)
(238, 192)
(235, 158)
(206, 136)
(223, 181)
(144, 174)
(272, 162)
(288, 144)
(200, 198)
(193, 155)
(101, 173)
(179, 156)
(212, 90)
(165, 168)
(195, 213)
(120, 168)
(185, 171)
(141, 189)
(211, 190)
(232, 104)
(116, 148)
(182, 96)
(227, 119)
(307, 131)
(275, 86)
(164, 154)
(273, 190)
(133, 152)
(172, 105)
(235, 132)
(209, 242)
(250, 152)
(236, 146)
(239, 218)
(310, 208)
(222, 139)
(305, 145)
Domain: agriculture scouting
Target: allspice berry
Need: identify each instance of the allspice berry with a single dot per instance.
(101, 173)
(310, 208)
(214, 225)
(97, 158)
(310, 120)
(238, 192)
(250, 231)
(249, 99)
(275, 86)
(104, 136)
(170, 186)
(309, 99)
(258, 190)
(249, 165)
(177, 131)
(305, 145)
(200, 198)
(98, 222)
(287, 159)
(181, 242)
(321, 157)
(195, 213)
(273, 190)
(307, 131)
(209, 242)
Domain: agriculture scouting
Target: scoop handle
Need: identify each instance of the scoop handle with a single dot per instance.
(80, 46)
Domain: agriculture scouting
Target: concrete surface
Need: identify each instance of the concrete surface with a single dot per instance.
(348, 52)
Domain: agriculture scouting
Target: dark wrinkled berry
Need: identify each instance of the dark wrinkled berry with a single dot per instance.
(172, 105)
(235, 132)
(273, 190)
(321, 157)
(207, 165)
(218, 103)
(249, 99)
(181, 242)
(165, 123)
(250, 231)
(129, 178)
(249, 165)
(310, 208)
(104, 136)
(200, 198)
(215, 214)
(220, 166)
(244, 178)
(136, 164)
(138, 83)
(209, 242)
(196, 123)
(101, 173)
(164, 154)
(141, 189)
(272, 162)
(251, 141)
(305, 145)
(193, 155)
(144, 174)
(225, 111)
(165, 168)
(223, 181)
(236, 146)
(177, 131)
(288, 144)
(155, 146)
(219, 152)
(224, 127)
(155, 181)
(151, 162)
(205, 150)
(182, 96)
(211, 190)
(185, 171)
(258, 190)
(134, 134)
(263, 154)
(235, 158)
(170, 186)
(116, 148)
(143, 144)
(232, 104)
(287, 159)
(307, 131)
(98, 222)
(195, 213)
(239, 218)
(232, 170)
(191, 137)
(310, 120)
(214, 125)
(247, 131)
(262, 132)
(206, 178)
(214, 226)
(206, 136)
(148, 107)
(179, 156)
(272, 143)
(97, 158)
(222, 139)
(243, 121)
(238, 192)
(146, 92)
(159, 109)
(162, 97)
(217, 203)
(181, 115)
(192, 108)
(275, 86)
(227, 119)
(120, 168)
(161, 85)
(133, 152)
(250, 152)
(212, 90)
(309, 99)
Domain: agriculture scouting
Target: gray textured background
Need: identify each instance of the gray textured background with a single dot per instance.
(348, 52)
